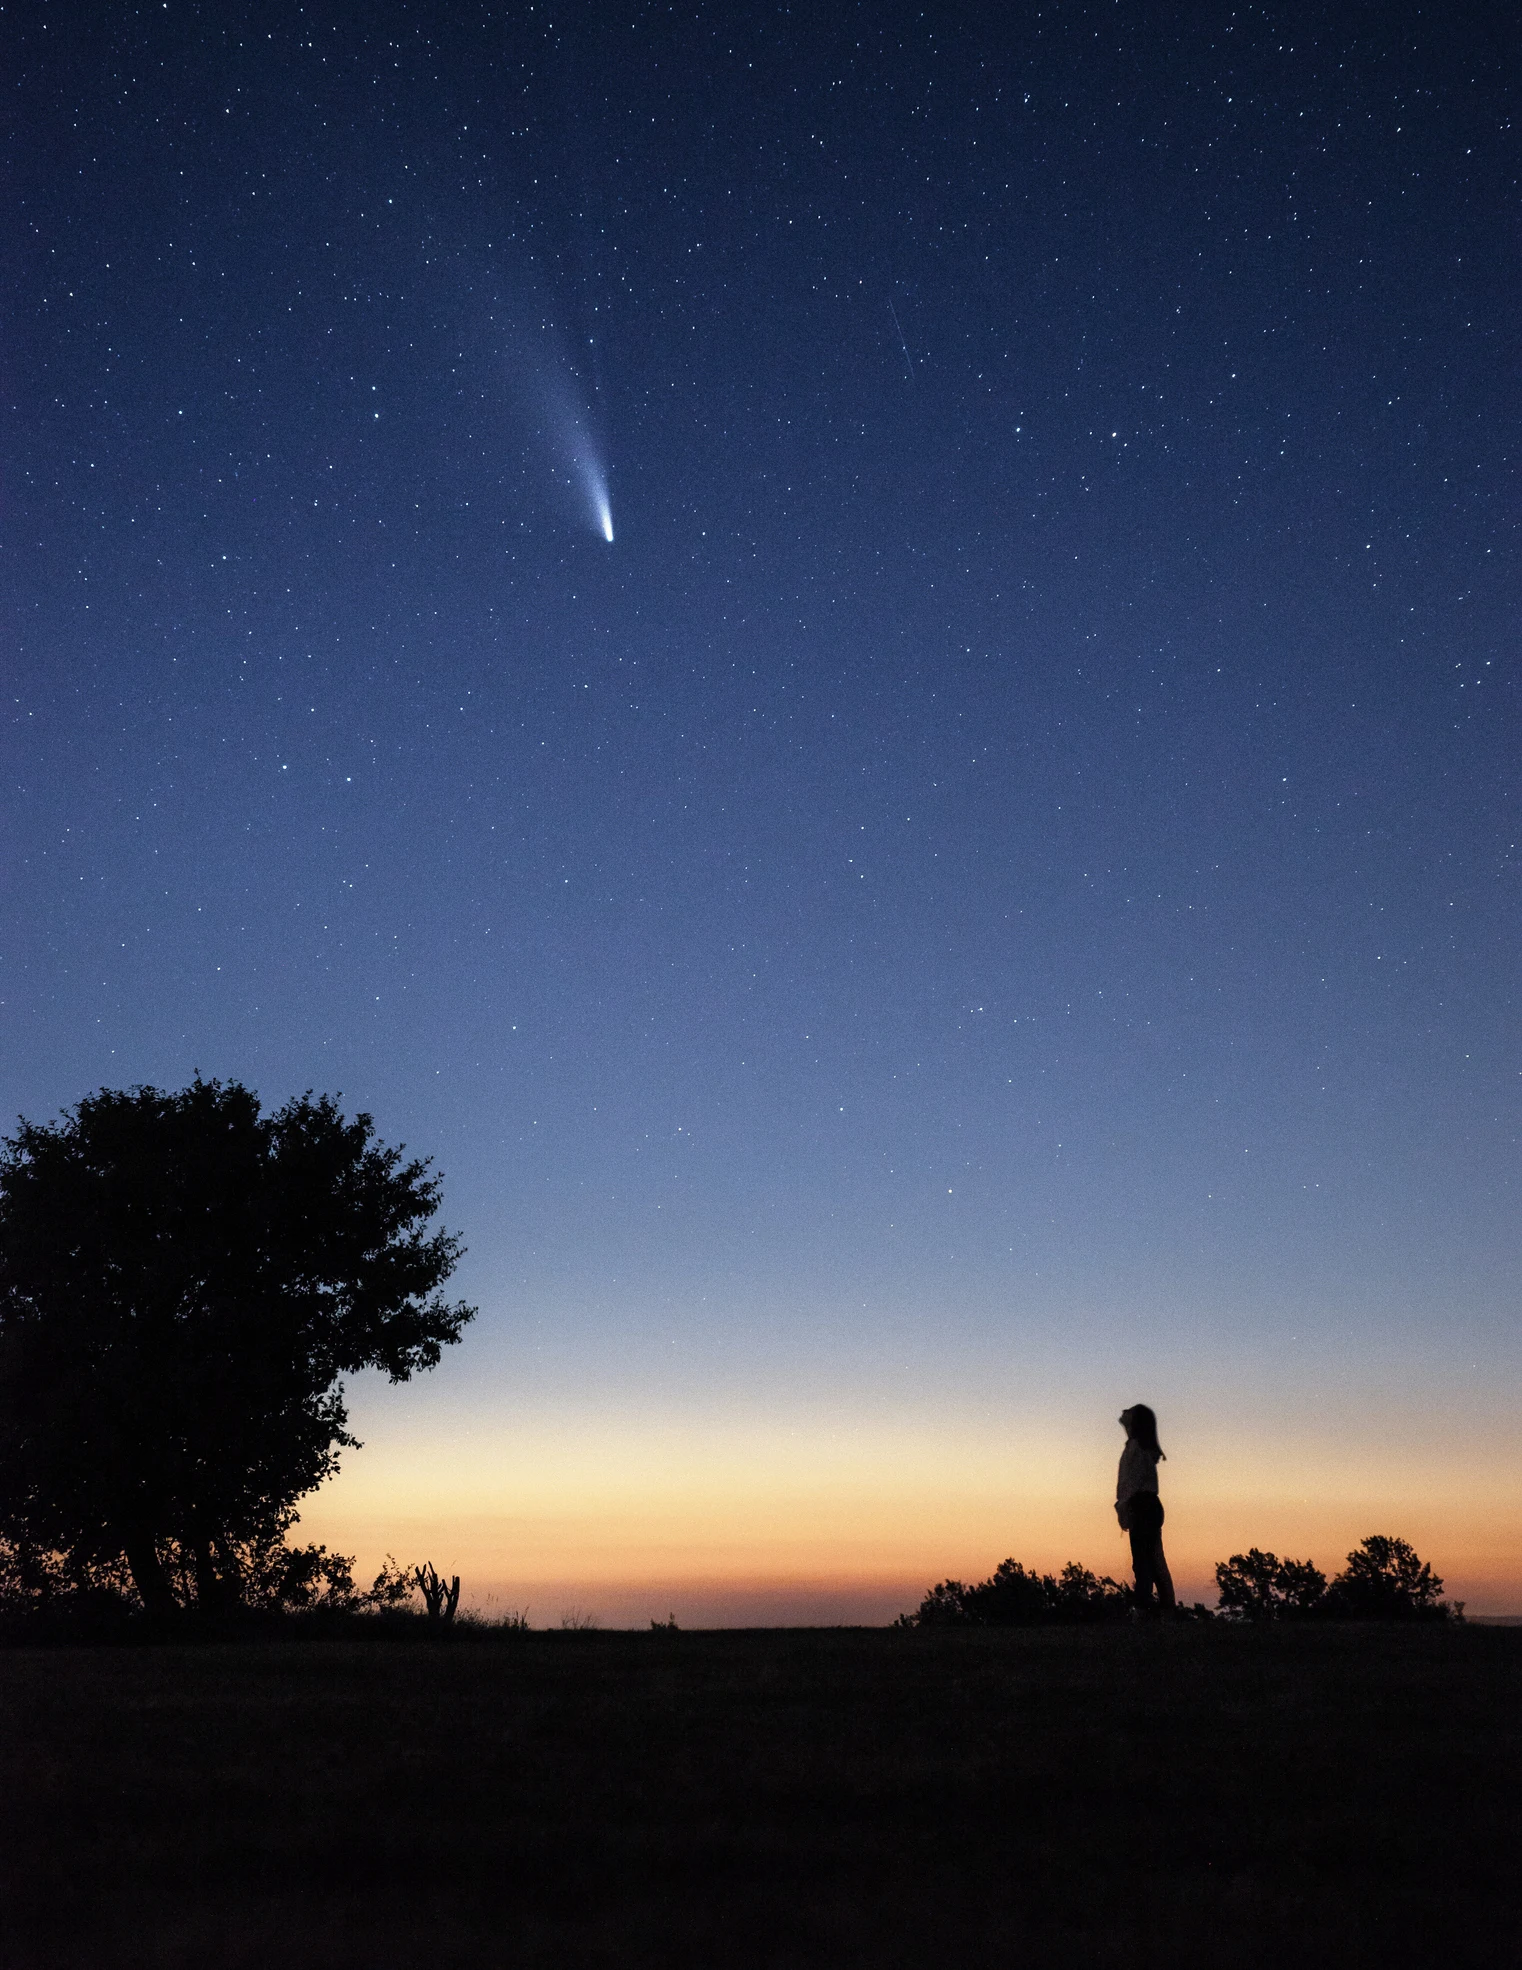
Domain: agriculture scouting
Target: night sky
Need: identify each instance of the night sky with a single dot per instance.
(994, 896)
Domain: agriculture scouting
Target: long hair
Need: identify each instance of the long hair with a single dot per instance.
(1142, 1426)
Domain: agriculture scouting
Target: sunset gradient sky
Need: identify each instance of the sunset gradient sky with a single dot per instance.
(993, 897)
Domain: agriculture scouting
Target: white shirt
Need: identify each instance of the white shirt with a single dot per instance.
(1138, 1471)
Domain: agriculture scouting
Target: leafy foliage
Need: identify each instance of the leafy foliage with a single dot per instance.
(184, 1281)
(1384, 1580)
(280, 1578)
(1013, 1597)
(1259, 1586)
(274, 1578)
(30, 1576)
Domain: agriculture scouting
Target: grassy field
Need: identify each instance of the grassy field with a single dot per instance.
(825, 1797)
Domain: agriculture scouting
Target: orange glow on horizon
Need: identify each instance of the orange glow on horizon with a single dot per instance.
(730, 1525)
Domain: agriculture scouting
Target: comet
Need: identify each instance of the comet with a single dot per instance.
(562, 410)
(594, 484)
(570, 429)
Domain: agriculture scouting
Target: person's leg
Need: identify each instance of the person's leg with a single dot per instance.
(1144, 1547)
(1163, 1577)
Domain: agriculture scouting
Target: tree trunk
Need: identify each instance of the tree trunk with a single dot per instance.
(208, 1587)
(229, 1574)
(148, 1574)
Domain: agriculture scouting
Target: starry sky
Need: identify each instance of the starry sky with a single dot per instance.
(993, 896)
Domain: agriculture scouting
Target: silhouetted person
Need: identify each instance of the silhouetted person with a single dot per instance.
(1140, 1510)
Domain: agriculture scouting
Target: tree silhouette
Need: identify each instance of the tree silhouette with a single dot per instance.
(1259, 1586)
(1384, 1580)
(183, 1283)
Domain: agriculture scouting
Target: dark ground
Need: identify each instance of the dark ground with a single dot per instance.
(828, 1797)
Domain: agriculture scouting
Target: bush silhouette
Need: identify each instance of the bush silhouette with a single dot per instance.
(44, 1595)
(1384, 1580)
(1259, 1586)
(1013, 1597)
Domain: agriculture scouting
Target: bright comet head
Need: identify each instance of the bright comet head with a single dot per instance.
(605, 515)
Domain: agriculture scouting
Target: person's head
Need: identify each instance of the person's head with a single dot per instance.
(1140, 1424)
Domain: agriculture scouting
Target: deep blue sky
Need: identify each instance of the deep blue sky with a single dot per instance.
(1017, 835)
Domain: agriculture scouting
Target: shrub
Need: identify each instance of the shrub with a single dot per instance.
(391, 1587)
(1010, 1597)
(1013, 1597)
(65, 1592)
(273, 1577)
(1384, 1580)
(32, 1577)
(1084, 1596)
(1259, 1586)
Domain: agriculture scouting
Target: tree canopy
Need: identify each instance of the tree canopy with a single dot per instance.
(184, 1281)
(1259, 1586)
(1384, 1580)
